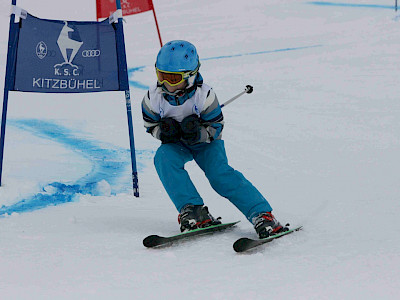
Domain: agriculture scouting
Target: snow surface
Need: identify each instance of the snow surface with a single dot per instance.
(319, 137)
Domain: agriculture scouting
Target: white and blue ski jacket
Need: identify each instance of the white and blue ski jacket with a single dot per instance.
(204, 103)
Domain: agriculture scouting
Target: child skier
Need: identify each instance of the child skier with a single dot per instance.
(184, 113)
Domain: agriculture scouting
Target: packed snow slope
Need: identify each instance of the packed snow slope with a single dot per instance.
(319, 137)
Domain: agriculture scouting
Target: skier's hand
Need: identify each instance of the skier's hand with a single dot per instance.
(191, 129)
(170, 131)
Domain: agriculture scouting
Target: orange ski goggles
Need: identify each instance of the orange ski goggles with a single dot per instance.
(174, 78)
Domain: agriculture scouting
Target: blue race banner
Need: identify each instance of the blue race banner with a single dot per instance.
(53, 56)
(66, 57)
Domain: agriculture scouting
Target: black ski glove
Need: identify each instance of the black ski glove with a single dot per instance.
(191, 129)
(170, 131)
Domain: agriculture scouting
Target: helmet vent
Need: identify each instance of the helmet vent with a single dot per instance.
(186, 56)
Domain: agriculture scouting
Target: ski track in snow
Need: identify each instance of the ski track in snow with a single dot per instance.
(107, 166)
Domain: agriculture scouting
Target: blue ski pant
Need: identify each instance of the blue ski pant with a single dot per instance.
(211, 158)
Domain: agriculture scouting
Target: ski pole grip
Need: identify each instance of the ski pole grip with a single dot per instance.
(249, 89)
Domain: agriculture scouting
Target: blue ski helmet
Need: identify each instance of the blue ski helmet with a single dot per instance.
(177, 56)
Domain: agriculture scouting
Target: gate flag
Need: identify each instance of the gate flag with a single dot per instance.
(66, 57)
(129, 7)
(54, 56)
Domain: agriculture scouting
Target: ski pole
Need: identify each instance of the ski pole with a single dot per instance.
(248, 90)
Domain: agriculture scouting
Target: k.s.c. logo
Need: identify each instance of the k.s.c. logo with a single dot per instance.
(69, 48)
(67, 72)
(65, 43)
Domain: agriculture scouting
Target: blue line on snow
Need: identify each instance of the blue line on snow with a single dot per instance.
(107, 164)
(352, 5)
(261, 52)
(136, 84)
(131, 71)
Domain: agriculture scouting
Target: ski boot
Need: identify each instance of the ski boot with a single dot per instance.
(196, 216)
(266, 225)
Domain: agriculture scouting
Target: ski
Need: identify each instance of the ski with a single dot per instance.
(155, 240)
(244, 244)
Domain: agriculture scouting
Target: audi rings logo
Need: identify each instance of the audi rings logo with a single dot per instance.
(91, 53)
